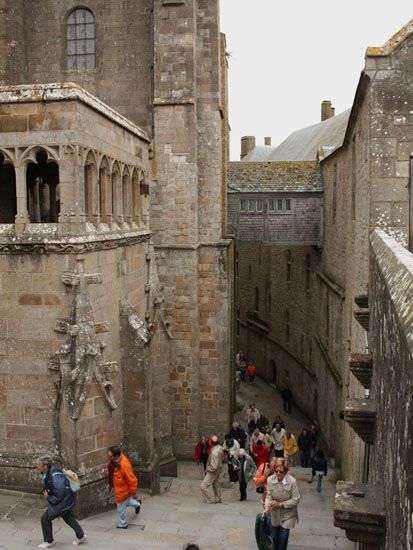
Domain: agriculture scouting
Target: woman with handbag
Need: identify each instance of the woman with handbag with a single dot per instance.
(281, 503)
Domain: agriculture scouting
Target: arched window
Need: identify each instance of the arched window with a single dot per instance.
(80, 40)
(7, 191)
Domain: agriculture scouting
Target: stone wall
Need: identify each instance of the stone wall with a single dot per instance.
(301, 226)
(391, 462)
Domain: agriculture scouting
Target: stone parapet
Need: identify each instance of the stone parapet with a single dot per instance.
(361, 415)
(359, 509)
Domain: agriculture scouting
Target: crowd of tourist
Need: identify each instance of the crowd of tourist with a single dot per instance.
(263, 453)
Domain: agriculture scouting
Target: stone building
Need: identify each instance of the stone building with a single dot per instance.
(278, 280)
(360, 320)
(115, 269)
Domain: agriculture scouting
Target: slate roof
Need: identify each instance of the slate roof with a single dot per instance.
(247, 177)
(305, 143)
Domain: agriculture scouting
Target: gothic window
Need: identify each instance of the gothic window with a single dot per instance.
(7, 191)
(80, 40)
(43, 201)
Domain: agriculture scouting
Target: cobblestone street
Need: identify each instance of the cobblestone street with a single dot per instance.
(179, 516)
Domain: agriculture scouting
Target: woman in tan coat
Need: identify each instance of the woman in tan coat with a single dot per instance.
(282, 503)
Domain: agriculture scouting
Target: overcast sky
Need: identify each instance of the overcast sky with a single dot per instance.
(286, 57)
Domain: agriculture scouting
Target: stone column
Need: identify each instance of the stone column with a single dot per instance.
(117, 205)
(127, 199)
(106, 213)
(22, 216)
(135, 201)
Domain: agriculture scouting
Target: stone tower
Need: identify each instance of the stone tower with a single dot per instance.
(115, 186)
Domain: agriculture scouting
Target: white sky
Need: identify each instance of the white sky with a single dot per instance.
(286, 57)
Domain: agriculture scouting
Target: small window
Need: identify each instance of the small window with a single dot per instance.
(287, 326)
(259, 206)
(288, 265)
(271, 205)
(279, 205)
(257, 299)
(251, 206)
(242, 205)
(80, 37)
(288, 205)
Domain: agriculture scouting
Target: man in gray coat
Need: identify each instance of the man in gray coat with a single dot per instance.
(213, 471)
(246, 471)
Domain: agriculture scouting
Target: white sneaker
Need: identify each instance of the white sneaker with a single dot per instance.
(46, 544)
(80, 541)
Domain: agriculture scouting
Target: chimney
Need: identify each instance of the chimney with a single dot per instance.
(247, 145)
(267, 141)
(327, 111)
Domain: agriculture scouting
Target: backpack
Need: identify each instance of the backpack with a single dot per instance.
(73, 480)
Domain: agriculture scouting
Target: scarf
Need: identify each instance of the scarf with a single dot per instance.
(112, 467)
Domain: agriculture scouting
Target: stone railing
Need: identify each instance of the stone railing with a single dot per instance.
(378, 512)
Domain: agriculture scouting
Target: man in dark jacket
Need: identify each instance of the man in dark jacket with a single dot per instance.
(239, 434)
(60, 502)
(304, 444)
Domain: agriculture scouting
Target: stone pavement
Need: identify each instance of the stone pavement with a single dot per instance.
(178, 516)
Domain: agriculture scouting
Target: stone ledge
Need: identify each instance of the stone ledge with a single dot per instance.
(361, 366)
(362, 316)
(359, 510)
(361, 415)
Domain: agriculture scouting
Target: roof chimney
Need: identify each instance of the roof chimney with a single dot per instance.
(247, 145)
(327, 111)
(267, 141)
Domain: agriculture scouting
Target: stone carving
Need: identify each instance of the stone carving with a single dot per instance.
(69, 248)
(79, 359)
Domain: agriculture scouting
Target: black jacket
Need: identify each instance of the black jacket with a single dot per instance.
(61, 498)
(319, 465)
(304, 443)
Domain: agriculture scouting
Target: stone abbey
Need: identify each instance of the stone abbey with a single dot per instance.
(114, 266)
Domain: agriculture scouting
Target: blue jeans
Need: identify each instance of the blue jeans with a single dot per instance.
(319, 480)
(279, 537)
(123, 520)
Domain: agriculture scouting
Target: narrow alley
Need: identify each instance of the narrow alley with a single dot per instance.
(179, 516)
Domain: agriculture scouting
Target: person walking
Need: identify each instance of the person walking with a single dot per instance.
(239, 434)
(260, 453)
(278, 420)
(290, 447)
(282, 504)
(60, 502)
(231, 451)
(125, 484)
(319, 468)
(202, 450)
(251, 370)
(242, 365)
(254, 438)
(246, 469)
(277, 436)
(287, 397)
(304, 445)
(314, 437)
(252, 416)
(213, 471)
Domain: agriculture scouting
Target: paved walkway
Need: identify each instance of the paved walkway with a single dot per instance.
(178, 516)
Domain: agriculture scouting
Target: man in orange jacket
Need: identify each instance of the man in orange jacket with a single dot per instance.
(124, 483)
